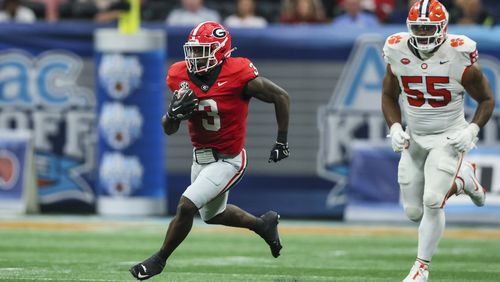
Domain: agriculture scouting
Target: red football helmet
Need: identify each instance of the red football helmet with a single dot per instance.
(209, 43)
(427, 23)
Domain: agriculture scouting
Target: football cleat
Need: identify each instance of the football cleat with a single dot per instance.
(270, 232)
(471, 185)
(418, 273)
(148, 268)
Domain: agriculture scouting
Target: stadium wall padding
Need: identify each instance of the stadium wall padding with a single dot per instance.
(308, 61)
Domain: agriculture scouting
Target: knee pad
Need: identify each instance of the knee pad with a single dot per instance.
(414, 213)
(433, 200)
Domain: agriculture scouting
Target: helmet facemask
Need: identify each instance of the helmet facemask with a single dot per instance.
(201, 57)
(426, 36)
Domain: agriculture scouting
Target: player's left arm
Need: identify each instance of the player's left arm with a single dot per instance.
(479, 89)
(267, 91)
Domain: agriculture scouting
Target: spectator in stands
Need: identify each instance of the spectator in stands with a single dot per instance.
(473, 13)
(192, 13)
(53, 8)
(454, 10)
(302, 11)
(245, 16)
(355, 16)
(13, 11)
(400, 15)
(383, 9)
(110, 10)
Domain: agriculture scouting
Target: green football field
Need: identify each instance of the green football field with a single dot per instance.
(93, 249)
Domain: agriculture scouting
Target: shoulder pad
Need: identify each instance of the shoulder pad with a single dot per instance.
(461, 43)
(396, 40)
(176, 68)
(393, 43)
(465, 46)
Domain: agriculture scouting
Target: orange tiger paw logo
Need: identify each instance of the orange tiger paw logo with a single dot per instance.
(455, 42)
(395, 39)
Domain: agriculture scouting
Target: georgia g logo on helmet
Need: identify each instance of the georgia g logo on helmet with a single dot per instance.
(219, 32)
(209, 43)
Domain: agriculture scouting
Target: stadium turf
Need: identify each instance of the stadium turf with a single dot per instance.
(62, 249)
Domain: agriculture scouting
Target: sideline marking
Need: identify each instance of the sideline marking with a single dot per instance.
(285, 229)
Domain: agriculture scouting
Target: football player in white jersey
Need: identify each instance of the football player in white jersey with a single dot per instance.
(430, 71)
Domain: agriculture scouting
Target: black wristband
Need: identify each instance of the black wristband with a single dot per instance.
(282, 135)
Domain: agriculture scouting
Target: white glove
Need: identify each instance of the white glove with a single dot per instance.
(466, 139)
(399, 137)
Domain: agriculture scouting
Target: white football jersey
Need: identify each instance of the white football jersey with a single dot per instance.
(432, 88)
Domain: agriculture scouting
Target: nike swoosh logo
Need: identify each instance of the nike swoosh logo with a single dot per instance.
(173, 110)
(140, 275)
(443, 62)
(221, 83)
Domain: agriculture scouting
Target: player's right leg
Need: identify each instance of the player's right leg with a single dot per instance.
(467, 183)
(178, 229)
(411, 180)
(441, 167)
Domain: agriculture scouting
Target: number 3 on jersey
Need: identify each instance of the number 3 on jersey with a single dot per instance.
(440, 97)
(212, 122)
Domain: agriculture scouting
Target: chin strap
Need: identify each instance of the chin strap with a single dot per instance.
(228, 54)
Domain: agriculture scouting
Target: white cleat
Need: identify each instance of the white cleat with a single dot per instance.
(418, 273)
(472, 187)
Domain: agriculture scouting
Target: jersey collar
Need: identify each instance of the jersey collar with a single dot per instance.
(417, 54)
(206, 81)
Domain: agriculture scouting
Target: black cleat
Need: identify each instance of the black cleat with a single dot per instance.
(270, 232)
(148, 268)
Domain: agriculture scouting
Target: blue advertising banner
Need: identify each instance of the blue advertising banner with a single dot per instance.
(13, 169)
(48, 84)
(41, 93)
(130, 94)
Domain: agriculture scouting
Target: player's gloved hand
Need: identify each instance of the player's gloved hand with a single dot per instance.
(399, 138)
(466, 139)
(279, 152)
(182, 105)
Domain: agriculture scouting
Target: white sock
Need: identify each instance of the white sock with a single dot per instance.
(429, 232)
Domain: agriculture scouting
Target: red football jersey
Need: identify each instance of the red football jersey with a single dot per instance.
(221, 119)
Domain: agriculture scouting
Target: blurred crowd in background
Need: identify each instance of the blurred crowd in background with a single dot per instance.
(247, 13)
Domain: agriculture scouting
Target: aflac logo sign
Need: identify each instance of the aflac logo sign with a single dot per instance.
(41, 93)
(354, 115)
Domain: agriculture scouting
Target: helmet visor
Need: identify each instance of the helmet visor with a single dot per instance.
(419, 29)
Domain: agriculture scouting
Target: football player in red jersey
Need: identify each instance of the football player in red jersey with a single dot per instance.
(212, 91)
